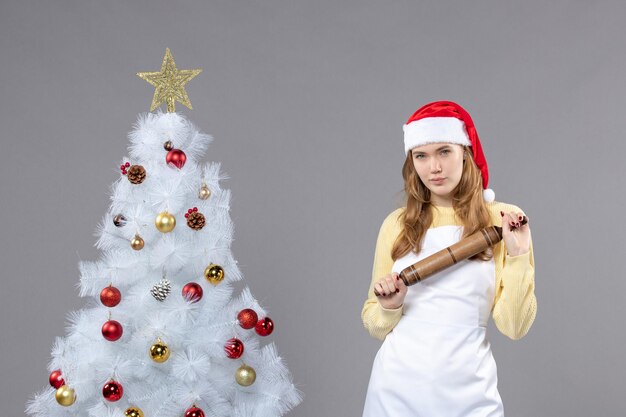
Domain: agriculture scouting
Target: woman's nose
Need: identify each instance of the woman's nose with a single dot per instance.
(435, 166)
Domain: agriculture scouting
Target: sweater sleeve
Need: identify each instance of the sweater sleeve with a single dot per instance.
(515, 304)
(379, 321)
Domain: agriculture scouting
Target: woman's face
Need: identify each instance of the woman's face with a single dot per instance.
(435, 161)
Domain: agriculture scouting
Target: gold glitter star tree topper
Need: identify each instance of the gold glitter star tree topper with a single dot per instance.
(169, 84)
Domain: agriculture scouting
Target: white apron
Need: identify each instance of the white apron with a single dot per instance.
(437, 361)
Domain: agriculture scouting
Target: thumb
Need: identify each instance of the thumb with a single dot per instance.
(401, 284)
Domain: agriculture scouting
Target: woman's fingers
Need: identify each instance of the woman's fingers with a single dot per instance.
(383, 289)
(378, 288)
(523, 219)
(388, 285)
(392, 291)
(511, 218)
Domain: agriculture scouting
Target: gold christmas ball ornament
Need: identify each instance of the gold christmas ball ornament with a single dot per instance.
(168, 146)
(137, 243)
(165, 222)
(245, 375)
(214, 274)
(204, 193)
(133, 412)
(65, 396)
(159, 352)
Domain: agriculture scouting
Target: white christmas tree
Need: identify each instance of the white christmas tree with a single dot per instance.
(165, 332)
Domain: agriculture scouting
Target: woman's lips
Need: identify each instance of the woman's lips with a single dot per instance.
(439, 181)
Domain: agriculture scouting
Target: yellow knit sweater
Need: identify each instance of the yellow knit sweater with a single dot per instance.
(515, 304)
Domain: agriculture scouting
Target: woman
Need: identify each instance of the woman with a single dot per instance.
(435, 359)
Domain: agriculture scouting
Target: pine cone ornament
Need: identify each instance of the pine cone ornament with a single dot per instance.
(195, 219)
(136, 174)
(161, 290)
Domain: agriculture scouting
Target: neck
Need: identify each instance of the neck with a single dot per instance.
(439, 201)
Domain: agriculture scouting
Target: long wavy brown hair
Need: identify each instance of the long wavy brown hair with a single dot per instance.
(468, 203)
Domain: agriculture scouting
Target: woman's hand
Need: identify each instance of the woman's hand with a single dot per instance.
(392, 291)
(516, 236)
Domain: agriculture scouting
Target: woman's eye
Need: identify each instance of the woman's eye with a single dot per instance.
(443, 152)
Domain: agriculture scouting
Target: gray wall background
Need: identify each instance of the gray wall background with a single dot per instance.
(306, 101)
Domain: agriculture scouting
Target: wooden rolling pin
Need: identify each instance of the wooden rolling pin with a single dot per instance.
(463, 249)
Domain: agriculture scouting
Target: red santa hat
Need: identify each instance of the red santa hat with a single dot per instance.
(446, 121)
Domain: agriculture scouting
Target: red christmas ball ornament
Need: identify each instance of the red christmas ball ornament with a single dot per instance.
(56, 379)
(194, 412)
(234, 348)
(112, 330)
(247, 318)
(176, 157)
(192, 292)
(110, 296)
(112, 391)
(264, 327)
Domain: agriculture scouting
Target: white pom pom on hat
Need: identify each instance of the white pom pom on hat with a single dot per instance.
(489, 195)
(446, 121)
